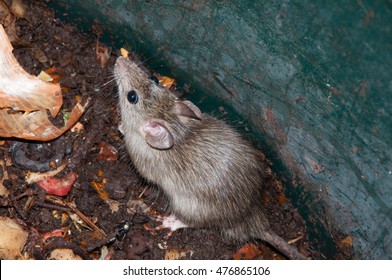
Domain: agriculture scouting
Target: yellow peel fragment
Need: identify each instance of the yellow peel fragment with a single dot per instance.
(124, 53)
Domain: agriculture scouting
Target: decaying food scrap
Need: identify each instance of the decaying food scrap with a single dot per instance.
(58, 186)
(24, 100)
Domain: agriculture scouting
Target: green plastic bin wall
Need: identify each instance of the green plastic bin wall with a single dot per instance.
(313, 78)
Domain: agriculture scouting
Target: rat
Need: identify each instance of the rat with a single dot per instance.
(211, 175)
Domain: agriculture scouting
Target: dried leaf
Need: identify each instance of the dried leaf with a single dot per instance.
(24, 100)
(247, 252)
(165, 81)
(100, 188)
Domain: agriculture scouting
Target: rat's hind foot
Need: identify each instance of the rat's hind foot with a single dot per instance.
(170, 222)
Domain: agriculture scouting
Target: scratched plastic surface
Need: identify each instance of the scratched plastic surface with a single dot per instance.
(312, 79)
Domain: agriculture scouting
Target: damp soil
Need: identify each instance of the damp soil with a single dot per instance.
(97, 154)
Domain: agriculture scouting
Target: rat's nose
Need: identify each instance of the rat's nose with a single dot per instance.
(120, 62)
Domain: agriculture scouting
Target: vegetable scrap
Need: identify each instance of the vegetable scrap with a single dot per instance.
(59, 186)
(23, 108)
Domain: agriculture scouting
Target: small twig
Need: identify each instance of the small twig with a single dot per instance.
(77, 212)
(144, 190)
(51, 206)
(86, 219)
(28, 192)
(292, 241)
(16, 206)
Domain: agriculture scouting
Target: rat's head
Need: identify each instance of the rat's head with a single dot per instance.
(149, 109)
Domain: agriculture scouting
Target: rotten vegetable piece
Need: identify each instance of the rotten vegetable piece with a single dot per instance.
(24, 100)
(59, 186)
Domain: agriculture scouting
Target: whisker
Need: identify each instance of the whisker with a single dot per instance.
(112, 80)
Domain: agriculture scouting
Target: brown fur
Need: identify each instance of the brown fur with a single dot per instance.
(211, 175)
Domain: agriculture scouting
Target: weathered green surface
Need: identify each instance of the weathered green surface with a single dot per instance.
(313, 77)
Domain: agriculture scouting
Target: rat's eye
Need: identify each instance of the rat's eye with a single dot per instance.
(132, 97)
(154, 79)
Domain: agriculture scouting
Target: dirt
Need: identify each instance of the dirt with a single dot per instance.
(98, 156)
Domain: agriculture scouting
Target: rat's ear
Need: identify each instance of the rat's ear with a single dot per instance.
(187, 109)
(157, 135)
